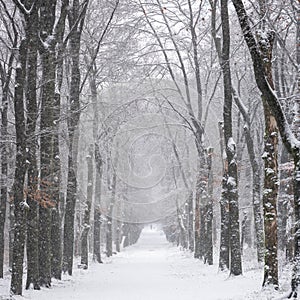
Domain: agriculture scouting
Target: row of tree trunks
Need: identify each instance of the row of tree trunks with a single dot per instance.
(290, 141)
(43, 32)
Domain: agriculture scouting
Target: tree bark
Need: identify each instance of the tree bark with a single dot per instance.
(75, 14)
(47, 184)
(191, 222)
(32, 113)
(109, 242)
(20, 206)
(270, 195)
(56, 234)
(231, 186)
(209, 212)
(270, 156)
(87, 211)
(98, 168)
(109, 221)
(97, 211)
(197, 253)
(224, 210)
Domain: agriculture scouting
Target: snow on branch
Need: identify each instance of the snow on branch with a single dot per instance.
(22, 7)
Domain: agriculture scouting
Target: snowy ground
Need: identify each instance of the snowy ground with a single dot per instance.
(152, 270)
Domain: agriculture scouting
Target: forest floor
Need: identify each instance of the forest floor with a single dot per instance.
(153, 270)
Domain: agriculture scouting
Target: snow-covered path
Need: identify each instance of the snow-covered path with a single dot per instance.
(152, 270)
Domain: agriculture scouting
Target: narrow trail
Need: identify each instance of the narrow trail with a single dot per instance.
(151, 270)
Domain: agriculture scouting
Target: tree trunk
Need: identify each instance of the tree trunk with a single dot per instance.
(32, 113)
(232, 190)
(11, 232)
(209, 213)
(118, 236)
(48, 139)
(20, 169)
(97, 211)
(87, 210)
(270, 156)
(98, 168)
(109, 223)
(270, 195)
(197, 218)
(224, 210)
(109, 242)
(3, 199)
(56, 234)
(191, 222)
(224, 238)
(73, 119)
(230, 250)
(56, 243)
(68, 247)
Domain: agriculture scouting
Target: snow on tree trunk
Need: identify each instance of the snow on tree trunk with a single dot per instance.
(270, 194)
